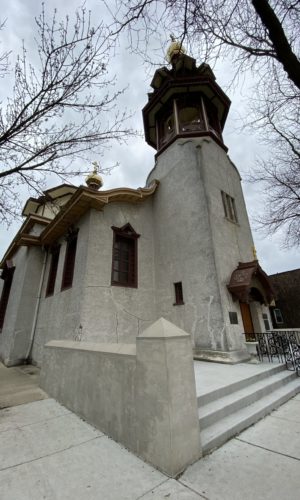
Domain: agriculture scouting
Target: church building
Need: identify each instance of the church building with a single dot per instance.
(102, 265)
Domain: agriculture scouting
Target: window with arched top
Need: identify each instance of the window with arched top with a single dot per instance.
(54, 251)
(190, 114)
(212, 117)
(7, 276)
(124, 258)
(70, 255)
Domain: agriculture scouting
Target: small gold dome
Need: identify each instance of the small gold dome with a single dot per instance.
(175, 49)
(94, 180)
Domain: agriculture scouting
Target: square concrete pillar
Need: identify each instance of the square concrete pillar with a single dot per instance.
(168, 434)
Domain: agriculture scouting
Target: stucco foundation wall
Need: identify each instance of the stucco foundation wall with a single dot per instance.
(184, 245)
(17, 327)
(97, 382)
(143, 395)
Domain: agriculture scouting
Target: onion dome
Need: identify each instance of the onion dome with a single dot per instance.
(94, 180)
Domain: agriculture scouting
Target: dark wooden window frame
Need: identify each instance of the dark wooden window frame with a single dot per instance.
(191, 101)
(7, 276)
(266, 321)
(167, 114)
(178, 294)
(233, 317)
(70, 257)
(229, 207)
(212, 118)
(125, 233)
(208, 114)
(54, 252)
(278, 316)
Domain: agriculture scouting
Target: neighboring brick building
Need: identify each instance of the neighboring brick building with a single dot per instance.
(286, 314)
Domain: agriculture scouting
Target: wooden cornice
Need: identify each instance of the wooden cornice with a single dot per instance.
(82, 200)
(23, 237)
(85, 199)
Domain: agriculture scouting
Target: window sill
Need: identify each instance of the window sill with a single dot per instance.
(123, 285)
(232, 221)
(178, 304)
(65, 288)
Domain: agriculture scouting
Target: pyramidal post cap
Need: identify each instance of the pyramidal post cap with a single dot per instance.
(163, 329)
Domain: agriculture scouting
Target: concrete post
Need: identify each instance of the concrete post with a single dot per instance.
(168, 434)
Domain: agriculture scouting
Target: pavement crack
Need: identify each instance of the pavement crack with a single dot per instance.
(50, 454)
(16, 426)
(286, 419)
(192, 489)
(152, 489)
(267, 449)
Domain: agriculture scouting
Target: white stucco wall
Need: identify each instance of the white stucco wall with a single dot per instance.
(17, 327)
(183, 244)
(115, 313)
(60, 314)
(232, 242)
(184, 237)
(195, 244)
(105, 313)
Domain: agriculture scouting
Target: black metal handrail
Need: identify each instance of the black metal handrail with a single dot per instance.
(283, 345)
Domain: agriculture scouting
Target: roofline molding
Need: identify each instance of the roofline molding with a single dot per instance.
(81, 201)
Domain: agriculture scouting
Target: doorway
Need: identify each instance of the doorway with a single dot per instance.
(247, 321)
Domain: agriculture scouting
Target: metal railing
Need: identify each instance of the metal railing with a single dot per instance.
(280, 345)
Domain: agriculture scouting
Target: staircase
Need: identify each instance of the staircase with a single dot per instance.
(228, 410)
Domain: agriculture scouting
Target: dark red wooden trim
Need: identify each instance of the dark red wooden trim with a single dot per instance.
(69, 264)
(129, 234)
(178, 294)
(55, 251)
(8, 277)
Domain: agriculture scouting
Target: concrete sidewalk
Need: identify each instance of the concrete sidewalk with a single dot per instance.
(47, 452)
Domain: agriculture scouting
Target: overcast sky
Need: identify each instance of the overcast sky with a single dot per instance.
(136, 158)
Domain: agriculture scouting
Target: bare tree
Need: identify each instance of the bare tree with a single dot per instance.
(58, 109)
(257, 35)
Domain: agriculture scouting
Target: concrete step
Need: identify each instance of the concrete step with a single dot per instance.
(224, 406)
(221, 431)
(240, 384)
(22, 396)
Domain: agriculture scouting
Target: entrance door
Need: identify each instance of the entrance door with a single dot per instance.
(246, 317)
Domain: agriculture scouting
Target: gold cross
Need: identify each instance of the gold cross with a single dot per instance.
(96, 166)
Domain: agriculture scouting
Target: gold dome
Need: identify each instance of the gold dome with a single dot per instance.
(94, 180)
(175, 49)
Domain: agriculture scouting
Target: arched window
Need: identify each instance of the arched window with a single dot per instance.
(53, 270)
(124, 258)
(190, 114)
(212, 118)
(69, 264)
(166, 125)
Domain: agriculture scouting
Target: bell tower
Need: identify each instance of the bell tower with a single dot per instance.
(201, 228)
(186, 102)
